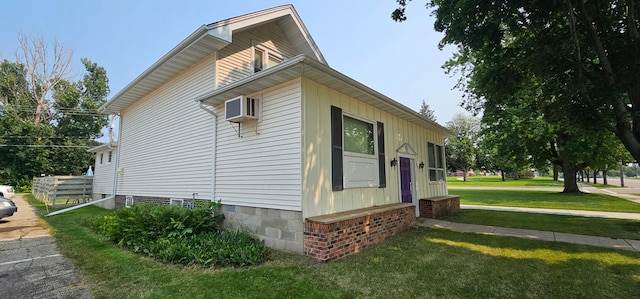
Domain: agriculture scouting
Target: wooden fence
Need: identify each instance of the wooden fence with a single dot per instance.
(70, 189)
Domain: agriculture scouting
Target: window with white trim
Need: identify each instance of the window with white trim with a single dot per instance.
(101, 158)
(128, 201)
(178, 202)
(264, 58)
(360, 153)
(436, 162)
(109, 156)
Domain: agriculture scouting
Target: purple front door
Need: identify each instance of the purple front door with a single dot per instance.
(405, 180)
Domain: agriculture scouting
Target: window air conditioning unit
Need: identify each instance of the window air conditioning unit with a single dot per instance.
(241, 108)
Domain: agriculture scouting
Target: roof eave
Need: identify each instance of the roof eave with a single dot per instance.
(115, 104)
(102, 146)
(303, 66)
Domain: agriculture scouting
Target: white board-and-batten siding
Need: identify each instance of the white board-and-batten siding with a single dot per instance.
(317, 195)
(103, 172)
(167, 140)
(262, 167)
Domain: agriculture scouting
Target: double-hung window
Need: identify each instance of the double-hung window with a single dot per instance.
(360, 159)
(101, 158)
(436, 162)
(109, 156)
(264, 58)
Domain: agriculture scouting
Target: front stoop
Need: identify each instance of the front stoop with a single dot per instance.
(330, 237)
(436, 207)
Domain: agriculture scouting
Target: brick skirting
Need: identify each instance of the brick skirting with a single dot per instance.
(121, 199)
(436, 207)
(330, 237)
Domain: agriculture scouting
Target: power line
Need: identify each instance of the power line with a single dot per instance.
(45, 145)
(45, 137)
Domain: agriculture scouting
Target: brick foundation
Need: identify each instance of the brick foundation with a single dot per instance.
(330, 237)
(436, 207)
(120, 200)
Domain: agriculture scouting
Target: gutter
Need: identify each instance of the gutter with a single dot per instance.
(305, 62)
(213, 150)
(192, 38)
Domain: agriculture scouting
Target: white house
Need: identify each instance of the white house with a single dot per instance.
(103, 172)
(247, 111)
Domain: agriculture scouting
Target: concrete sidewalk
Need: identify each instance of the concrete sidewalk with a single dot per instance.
(633, 245)
(581, 213)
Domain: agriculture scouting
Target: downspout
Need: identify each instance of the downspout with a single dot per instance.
(213, 150)
(115, 168)
(115, 180)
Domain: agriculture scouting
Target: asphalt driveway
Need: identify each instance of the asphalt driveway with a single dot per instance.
(30, 264)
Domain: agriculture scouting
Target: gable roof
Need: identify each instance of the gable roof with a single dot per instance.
(107, 145)
(303, 66)
(206, 40)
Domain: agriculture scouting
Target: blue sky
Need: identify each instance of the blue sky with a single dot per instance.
(358, 38)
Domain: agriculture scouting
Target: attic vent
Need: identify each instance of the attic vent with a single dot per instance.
(241, 108)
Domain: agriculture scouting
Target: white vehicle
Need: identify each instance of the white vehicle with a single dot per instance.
(6, 191)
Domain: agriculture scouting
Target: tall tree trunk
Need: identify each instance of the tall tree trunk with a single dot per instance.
(555, 172)
(502, 173)
(570, 182)
(595, 176)
(604, 177)
(464, 174)
(586, 173)
(621, 174)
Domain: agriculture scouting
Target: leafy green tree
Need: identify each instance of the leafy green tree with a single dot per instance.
(48, 132)
(427, 112)
(460, 148)
(578, 54)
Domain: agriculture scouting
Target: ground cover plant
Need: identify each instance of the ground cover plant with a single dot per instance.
(180, 235)
(421, 263)
(545, 199)
(593, 226)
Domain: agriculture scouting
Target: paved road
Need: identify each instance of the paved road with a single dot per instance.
(30, 264)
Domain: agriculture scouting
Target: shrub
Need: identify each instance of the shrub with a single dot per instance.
(180, 235)
(223, 248)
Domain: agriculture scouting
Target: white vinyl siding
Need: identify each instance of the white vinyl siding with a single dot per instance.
(262, 167)
(103, 173)
(317, 195)
(235, 60)
(167, 140)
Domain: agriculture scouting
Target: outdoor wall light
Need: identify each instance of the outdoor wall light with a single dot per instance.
(421, 165)
(394, 162)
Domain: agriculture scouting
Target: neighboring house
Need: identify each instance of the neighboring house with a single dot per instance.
(248, 112)
(103, 171)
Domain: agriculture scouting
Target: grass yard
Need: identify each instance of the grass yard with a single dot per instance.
(496, 181)
(545, 199)
(612, 228)
(421, 263)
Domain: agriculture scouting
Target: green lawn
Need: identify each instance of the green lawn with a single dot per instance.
(545, 199)
(421, 263)
(496, 181)
(611, 228)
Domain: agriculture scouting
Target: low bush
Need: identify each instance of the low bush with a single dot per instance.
(180, 235)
